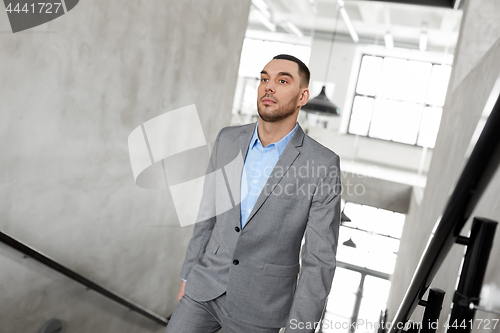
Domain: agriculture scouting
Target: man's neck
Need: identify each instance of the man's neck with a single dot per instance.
(271, 132)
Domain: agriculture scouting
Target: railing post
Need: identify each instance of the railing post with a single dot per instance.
(472, 275)
(382, 322)
(433, 307)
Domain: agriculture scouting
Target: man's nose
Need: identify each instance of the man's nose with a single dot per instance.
(270, 87)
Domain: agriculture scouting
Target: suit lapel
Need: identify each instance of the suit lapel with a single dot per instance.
(234, 170)
(284, 162)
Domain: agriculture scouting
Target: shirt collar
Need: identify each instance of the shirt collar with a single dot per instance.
(280, 145)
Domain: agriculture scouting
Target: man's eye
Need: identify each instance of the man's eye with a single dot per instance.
(283, 81)
(264, 80)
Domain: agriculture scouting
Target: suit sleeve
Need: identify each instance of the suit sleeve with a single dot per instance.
(319, 252)
(203, 229)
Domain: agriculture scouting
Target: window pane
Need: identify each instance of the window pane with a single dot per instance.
(374, 219)
(372, 251)
(361, 115)
(345, 285)
(375, 294)
(405, 80)
(345, 281)
(376, 288)
(383, 245)
(407, 122)
(438, 85)
(397, 121)
(344, 308)
(382, 262)
(429, 128)
(369, 75)
(393, 78)
(389, 223)
(362, 216)
(418, 79)
(384, 114)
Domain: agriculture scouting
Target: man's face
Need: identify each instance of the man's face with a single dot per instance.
(279, 92)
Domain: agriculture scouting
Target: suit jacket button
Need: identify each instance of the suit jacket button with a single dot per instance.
(236, 261)
(237, 229)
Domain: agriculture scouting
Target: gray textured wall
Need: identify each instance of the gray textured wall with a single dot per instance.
(475, 71)
(71, 92)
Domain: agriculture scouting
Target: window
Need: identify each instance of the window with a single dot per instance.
(361, 284)
(399, 100)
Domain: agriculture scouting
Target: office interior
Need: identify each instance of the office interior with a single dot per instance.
(414, 84)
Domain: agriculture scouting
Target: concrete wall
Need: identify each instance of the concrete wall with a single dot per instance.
(71, 92)
(475, 71)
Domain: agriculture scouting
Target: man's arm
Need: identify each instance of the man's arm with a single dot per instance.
(202, 230)
(318, 253)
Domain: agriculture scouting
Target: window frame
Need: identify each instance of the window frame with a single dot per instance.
(363, 271)
(432, 59)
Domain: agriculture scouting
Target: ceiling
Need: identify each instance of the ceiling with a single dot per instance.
(371, 21)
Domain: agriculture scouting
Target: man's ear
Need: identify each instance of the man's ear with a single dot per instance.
(304, 97)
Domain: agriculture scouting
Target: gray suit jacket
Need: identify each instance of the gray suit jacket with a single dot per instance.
(258, 265)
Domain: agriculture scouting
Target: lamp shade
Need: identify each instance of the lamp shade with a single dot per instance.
(344, 218)
(321, 105)
(349, 243)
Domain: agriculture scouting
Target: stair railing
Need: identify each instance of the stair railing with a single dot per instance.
(475, 177)
(37, 255)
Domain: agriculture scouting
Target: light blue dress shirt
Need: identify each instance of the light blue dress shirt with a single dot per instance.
(259, 163)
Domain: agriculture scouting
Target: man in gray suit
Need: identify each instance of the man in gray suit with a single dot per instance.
(242, 263)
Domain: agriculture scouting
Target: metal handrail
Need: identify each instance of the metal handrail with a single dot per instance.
(35, 254)
(478, 171)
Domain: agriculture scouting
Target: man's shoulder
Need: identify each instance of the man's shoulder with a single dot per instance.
(236, 130)
(317, 150)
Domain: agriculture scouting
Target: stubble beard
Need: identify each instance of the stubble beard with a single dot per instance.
(283, 112)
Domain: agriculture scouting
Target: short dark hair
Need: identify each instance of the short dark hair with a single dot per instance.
(303, 70)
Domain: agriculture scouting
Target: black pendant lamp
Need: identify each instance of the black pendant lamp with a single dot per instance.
(349, 243)
(321, 104)
(344, 218)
